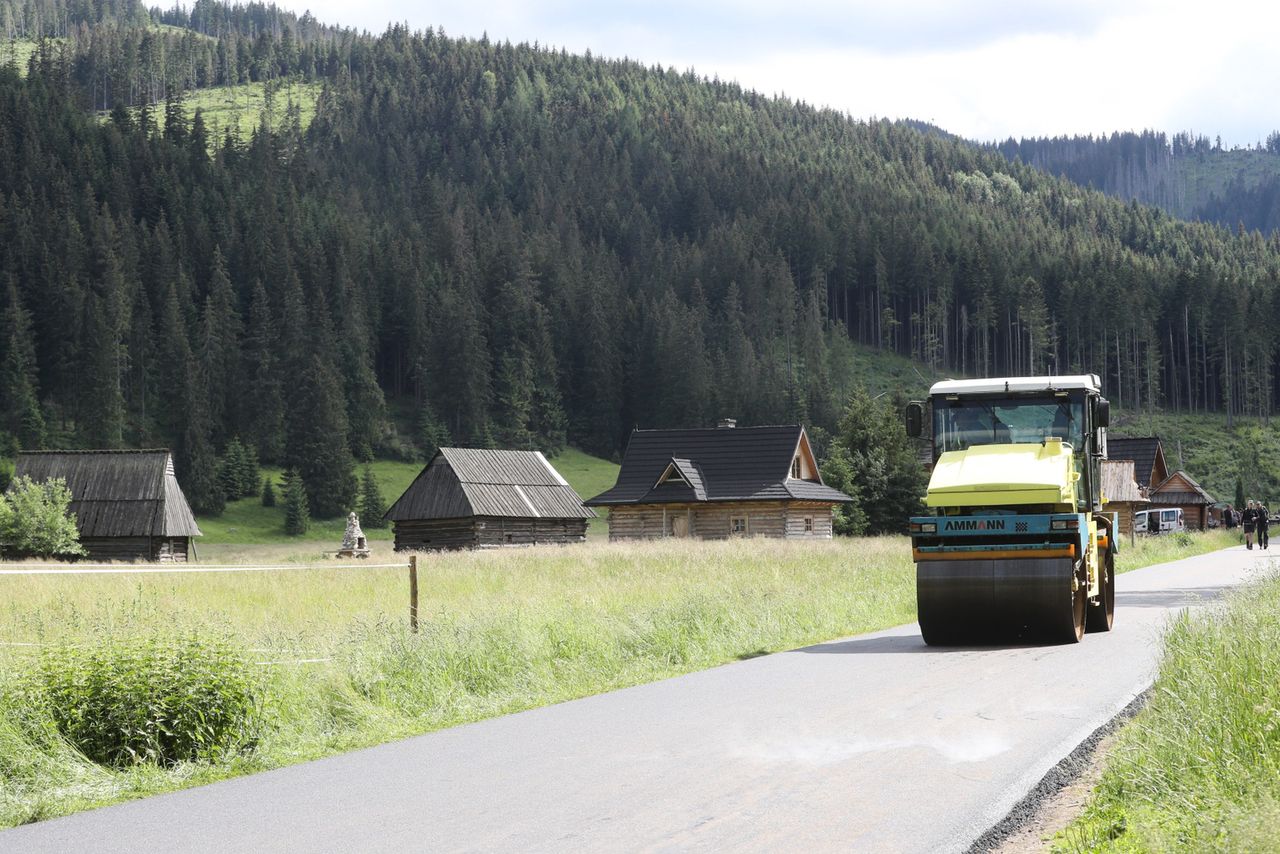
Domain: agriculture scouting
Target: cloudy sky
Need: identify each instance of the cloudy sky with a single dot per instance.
(985, 69)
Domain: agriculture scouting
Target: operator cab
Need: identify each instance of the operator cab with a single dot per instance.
(1021, 410)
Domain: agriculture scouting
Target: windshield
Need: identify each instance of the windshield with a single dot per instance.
(960, 424)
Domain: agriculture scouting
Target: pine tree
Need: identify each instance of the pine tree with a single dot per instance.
(372, 504)
(20, 412)
(297, 516)
(230, 468)
(268, 493)
(432, 434)
(318, 451)
(872, 452)
(263, 412)
(199, 474)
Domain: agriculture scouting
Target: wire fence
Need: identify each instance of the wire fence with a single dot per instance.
(194, 569)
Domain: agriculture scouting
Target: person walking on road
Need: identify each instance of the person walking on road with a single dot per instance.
(1247, 523)
(1264, 537)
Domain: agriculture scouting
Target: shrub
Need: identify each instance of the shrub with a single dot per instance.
(35, 521)
(162, 698)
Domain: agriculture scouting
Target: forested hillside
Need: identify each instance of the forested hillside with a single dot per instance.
(1188, 176)
(503, 244)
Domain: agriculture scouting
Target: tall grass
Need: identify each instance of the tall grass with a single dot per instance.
(502, 631)
(1199, 768)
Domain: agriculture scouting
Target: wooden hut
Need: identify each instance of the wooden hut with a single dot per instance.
(718, 483)
(1179, 490)
(1121, 493)
(128, 505)
(469, 498)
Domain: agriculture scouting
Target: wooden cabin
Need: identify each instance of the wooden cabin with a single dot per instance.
(1179, 490)
(718, 483)
(128, 505)
(1121, 493)
(475, 498)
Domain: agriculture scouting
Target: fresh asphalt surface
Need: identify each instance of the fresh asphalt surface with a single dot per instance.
(872, 743)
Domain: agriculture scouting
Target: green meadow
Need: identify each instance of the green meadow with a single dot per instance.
(325, 661)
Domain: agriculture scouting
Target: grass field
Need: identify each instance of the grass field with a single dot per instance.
(247, 523)
(1199, 768)
(502, 631)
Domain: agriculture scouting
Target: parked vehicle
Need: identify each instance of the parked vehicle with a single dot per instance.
(1163, 521)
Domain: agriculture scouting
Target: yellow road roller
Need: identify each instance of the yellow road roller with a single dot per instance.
(1016, 546)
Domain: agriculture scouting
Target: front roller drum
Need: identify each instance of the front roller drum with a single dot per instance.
(984, 601)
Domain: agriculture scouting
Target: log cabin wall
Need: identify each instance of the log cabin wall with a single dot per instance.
(779, 520)
(486, 532)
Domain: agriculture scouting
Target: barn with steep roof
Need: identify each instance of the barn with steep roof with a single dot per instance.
(477, 498)
(128, 505)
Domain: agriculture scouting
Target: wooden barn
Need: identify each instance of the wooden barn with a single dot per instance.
(1179, 490)
(717, 483)
(128, 505)
(473, 498)
(1121, 492)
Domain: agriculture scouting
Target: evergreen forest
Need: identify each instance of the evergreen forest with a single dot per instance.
(507, 245)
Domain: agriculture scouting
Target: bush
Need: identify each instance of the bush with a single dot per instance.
(161, 698)
(35, 521)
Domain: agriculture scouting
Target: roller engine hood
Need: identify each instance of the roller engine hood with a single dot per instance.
(1005, 475)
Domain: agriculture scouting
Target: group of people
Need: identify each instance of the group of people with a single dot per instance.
(1254, 519)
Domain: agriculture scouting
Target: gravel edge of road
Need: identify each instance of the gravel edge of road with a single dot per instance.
(1067, 771)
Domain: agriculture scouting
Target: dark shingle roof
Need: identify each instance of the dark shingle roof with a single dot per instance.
(116, 493)
(1143, 453)
(462, 482)
(731, 464)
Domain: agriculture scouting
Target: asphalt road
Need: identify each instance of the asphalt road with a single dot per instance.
(873, 743)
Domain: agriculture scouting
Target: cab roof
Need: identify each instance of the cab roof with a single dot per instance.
(1017, 385)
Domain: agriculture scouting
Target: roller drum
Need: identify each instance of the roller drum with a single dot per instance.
(975, 601)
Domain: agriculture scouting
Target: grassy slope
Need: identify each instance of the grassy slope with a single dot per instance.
(246, 522)
(503, 631)
(1214, 455)
(17, 52)
(242, 107)
(1199, 768)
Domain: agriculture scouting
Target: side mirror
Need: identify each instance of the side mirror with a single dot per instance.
(1102, 413)
(915, 419)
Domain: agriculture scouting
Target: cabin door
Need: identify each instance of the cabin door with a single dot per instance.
(679, 526)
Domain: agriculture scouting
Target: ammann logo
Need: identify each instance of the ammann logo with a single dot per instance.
(976, 525)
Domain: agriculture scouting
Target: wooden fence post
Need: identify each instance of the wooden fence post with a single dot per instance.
(413, 593)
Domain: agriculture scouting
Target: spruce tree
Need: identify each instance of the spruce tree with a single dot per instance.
(872, 452)
(268, 493)
(372, 504)
(199, 473)
(431, 433)
(263, 411)
(20, 412)
(297, 515)
(318, 451)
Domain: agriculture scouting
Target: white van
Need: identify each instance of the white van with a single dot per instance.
(1158, 521)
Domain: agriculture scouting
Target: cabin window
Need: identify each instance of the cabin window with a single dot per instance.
(795, 467)
(808, 524)
(738, 525)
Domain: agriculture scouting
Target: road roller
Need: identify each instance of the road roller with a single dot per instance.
(1016, 545)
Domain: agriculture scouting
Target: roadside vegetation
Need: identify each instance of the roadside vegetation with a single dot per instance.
(1199, 768)
(313, 662)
